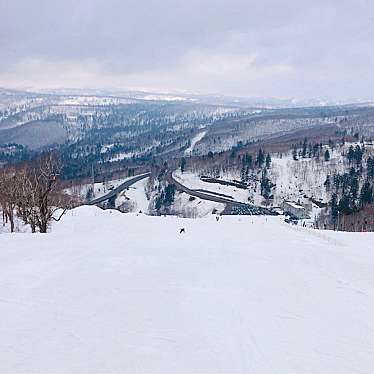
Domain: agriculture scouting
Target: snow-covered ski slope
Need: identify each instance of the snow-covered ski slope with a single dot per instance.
(194, 141)
(108, 292)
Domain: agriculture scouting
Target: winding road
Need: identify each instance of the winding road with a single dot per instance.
(232, 206)
(119, 189)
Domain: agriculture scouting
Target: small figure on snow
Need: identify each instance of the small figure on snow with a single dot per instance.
(182, 230)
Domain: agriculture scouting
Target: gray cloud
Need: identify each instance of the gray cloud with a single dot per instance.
(291, 48)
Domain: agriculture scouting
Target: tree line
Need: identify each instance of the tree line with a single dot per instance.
(351, 191)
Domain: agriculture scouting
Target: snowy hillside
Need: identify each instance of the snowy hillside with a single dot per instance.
(194, 141)
(108, 292)
(134, 199)
(192, 207)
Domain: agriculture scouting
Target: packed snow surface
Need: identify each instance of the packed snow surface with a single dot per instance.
(108, 292)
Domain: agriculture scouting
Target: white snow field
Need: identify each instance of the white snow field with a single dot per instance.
(109, 292)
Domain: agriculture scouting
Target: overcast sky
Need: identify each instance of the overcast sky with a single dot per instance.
(268, 48)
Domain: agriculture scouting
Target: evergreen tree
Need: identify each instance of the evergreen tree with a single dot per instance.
(266, 185)
(166, 197)
(334, 207)
(260, 158)
(354, 188)
(370, 167)
(268, 161)
(169, 194)
(327, 183)
(294, 154)
(358, 153)
(315, 150)
(248, 160)
(344, 205)
(310, 151)
(327, 155)
(89, 194)
(350, 154)
(183, 164)
(304, 148)
(366, 194)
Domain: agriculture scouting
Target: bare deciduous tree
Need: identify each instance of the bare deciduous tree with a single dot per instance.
(8, 196)
(35, 193)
